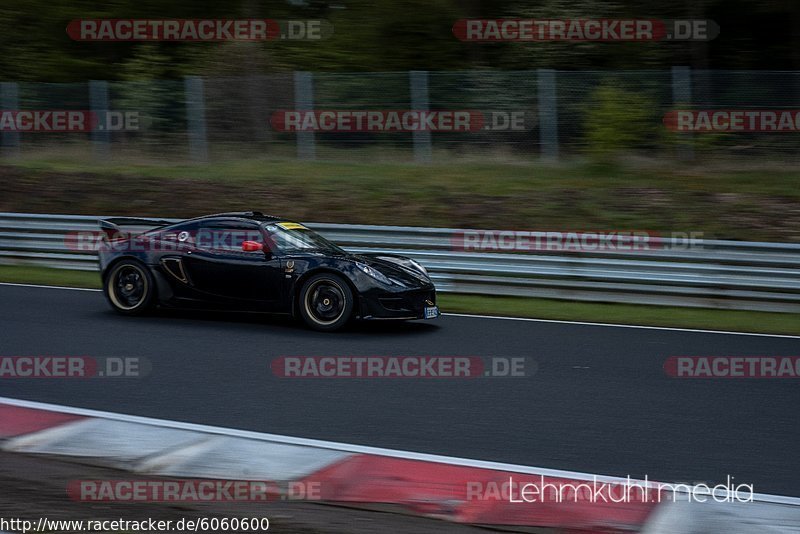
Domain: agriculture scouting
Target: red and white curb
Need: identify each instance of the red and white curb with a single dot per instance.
(423, 484)
(727, 518)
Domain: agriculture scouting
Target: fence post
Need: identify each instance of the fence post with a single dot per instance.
(418, 82)
(681, 97)
(304, 101)
(98, 104)
(196, 116)
(548, 114)
(9, 100)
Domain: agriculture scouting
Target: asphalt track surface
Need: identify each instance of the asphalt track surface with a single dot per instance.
(598, 402)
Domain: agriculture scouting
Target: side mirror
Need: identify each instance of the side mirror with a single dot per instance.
(252, 246)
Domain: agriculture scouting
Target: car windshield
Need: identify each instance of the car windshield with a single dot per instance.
(294, 237)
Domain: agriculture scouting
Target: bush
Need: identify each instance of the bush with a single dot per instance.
(619, 121)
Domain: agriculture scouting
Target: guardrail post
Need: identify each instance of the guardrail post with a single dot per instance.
(196, 116)
(9, 100)
(548, 114)
(418, 84)
(682, 97)
(98, 104)
(304, 101)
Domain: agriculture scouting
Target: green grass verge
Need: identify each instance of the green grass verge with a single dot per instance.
(742, 201)
(25, 274)
(700, 318)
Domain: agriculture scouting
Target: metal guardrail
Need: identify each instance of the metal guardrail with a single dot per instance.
(715, 274)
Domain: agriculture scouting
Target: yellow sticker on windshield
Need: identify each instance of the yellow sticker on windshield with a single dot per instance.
(292, 226)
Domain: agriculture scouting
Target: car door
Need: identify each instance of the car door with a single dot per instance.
(169, 250)
(219, 270)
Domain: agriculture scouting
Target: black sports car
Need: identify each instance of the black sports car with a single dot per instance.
(254, 262)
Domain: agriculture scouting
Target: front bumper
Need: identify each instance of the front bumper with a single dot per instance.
(409, 304)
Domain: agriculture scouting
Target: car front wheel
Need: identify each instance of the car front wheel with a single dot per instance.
(326, 302)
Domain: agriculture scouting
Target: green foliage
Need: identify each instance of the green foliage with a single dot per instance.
(384, 35)
(158, 102)
(619, 120)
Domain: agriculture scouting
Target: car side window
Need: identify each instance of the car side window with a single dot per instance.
(227, 236)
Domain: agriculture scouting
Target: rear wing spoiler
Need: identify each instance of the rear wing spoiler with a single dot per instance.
(113, 227)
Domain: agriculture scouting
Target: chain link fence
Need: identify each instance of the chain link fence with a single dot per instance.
(520, 115)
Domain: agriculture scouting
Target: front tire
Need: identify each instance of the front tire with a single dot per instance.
(130, 288)
(326, 302)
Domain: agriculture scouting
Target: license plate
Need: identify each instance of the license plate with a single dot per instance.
(431, 312)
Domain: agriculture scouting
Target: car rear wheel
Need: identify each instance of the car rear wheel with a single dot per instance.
(326, 302)
(130, 288)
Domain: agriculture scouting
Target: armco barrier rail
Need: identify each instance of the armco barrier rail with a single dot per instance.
(715, 274)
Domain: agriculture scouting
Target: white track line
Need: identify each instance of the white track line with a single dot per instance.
(346, 447)
(528, 319)
(48, 287)
(613, 325)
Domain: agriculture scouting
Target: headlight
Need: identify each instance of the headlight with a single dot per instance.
(419, 266)
(374, 273)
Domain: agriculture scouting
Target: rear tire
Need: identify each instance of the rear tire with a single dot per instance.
(130, 288)
(326, 302)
